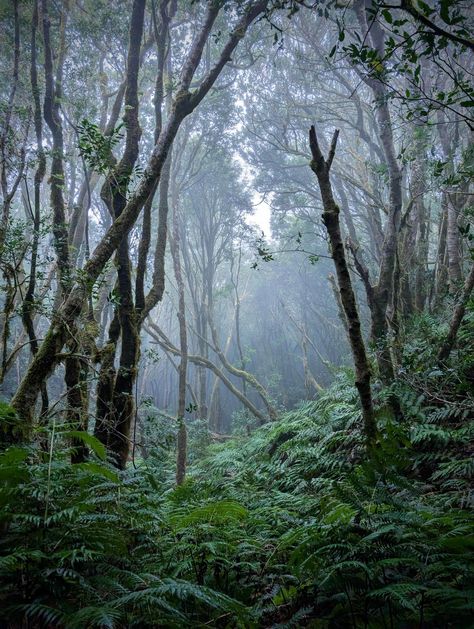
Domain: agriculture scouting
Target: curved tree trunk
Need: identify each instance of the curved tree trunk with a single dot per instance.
(383, 291)
(121, 404)
(185, 101)
(321, 167)
(241, 373)
(457, 317)
(204, 362)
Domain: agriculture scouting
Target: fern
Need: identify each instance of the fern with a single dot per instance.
(293, 526)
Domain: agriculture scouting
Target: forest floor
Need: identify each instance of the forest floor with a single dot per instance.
(297, 525)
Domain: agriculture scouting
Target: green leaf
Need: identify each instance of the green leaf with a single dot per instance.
(444, 10)
(98, 470)
(212, 513)
(427, 10)
(13, 455)
(89, 440)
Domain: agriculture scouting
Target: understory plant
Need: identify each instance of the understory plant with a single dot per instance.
(295, 525)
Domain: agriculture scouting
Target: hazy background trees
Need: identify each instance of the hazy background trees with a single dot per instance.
(224, 221)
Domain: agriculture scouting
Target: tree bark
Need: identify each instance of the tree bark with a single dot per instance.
(384, 289)
(181, 446)
(321, 167)
(453, 246)
(6, 193)
(51, 108)
(457, 317)
(184, 103)
(441, 273)
(121, 404)
(29, 300)
(52, 98)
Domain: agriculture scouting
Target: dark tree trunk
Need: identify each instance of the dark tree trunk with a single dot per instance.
(321, 167)
(121, 405)
(457, 317)
(184, 103)
(383, 291)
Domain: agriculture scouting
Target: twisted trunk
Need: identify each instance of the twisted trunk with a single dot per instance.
(28, 307)
(118, 408)
(321, 167)
(206, 363)
(184, 103)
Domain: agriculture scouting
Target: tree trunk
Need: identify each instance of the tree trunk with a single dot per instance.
(114, 192)
(52, 97)
(441, 273)
(321, 167)
(384, 289)
(457, 317)
(453, 246)
(6, 115)
(183, 342)
(241, 373)
(202, 361)
(29, 300)
(184, 103)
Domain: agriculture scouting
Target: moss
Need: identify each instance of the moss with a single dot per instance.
(11, 426)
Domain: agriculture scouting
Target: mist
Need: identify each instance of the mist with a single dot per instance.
(237, 274)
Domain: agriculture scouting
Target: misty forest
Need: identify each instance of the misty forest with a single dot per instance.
(237, 314)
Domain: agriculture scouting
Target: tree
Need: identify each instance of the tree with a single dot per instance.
(184, 103)
(321, 167)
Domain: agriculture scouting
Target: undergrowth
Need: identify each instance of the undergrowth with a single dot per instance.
(294, 526)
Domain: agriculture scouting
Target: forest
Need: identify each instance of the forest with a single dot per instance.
(237, 314)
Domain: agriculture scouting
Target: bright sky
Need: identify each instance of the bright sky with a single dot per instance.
(261, 216)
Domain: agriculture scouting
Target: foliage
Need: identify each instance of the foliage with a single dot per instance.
(81, 548)
(292, 526)
(414, 37)
(295, 523)
(95, 147)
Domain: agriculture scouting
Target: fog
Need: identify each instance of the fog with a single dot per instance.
(191, 124)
